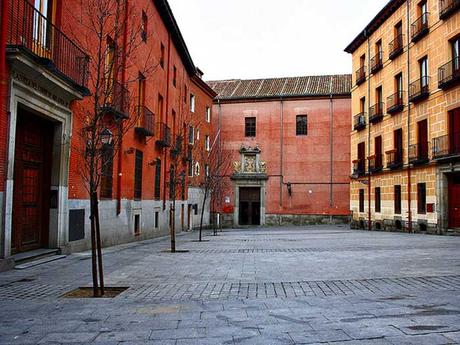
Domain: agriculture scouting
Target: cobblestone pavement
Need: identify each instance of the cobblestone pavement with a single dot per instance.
(297, 285)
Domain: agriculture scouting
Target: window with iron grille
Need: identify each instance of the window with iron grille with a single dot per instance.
(301, 125)
(377, 199)
(421, 198)
(138, 175)
(250, 126)
(361, 200)
(397, 199)
(106, 171)
(157, 186)
(191, 135)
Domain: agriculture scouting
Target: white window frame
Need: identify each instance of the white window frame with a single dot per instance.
(208, 114)
(192, 103)
(196, 169)
(207, 143)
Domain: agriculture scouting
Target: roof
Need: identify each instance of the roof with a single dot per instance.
(375, 23)
(309, 86)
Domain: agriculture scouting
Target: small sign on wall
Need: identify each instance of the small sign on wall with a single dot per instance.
(430, 208)
(227, 200)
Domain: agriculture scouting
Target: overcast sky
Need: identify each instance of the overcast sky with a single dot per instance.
(271, 38)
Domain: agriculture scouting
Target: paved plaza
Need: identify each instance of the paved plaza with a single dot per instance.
(295, 285)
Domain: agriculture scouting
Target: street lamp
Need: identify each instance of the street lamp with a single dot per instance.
(106, 136)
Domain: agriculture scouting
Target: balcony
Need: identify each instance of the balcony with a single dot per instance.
(360, 122)
(361, 75)
(177, 149)
(449, 74)
(420, 27)
(116, 100)
(447, 8)
(375, 163)
(377, 62)
(395, 103)
(359, 168)
(32, 33)
(419, 89)
(376, 112)
(146, 122)
(163, 133)
(446, 146)
(418, 153)
(394, 159)
(396, 47)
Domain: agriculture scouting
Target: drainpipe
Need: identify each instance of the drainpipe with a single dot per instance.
(369, 182)
(409, 174)
(219, 155)
(281, 150)
(123, 81)
(331, 144)
(166, 121)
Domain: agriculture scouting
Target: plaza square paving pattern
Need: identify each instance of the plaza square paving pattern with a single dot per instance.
(292, 285)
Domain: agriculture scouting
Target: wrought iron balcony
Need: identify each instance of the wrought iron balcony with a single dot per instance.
(163, 133)
(116, 100)
(420, 27)
(377, 62)
(376, 112)
(146, 121)
(359, 168)
(361, 75)
(446, 146)
(360, 121)
(396, 47)
(395, 103)
(448, 7)
(394, 159)
(449, 74)
(31, 32)
(419, 89)
(375, 163)
(418, 153)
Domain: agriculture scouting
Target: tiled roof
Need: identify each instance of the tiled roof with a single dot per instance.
(282, 87)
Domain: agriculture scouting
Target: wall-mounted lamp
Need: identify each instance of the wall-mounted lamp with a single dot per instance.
(106, 136)
(289, 188)
(130, 151)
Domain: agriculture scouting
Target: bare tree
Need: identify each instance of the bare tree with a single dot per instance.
(110, 33)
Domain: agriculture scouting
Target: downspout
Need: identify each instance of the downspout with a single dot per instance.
(219, 156)
(331, 144)
(409, 174)
(166, 121)
(123, 81)
(281, 150)
(368, 132)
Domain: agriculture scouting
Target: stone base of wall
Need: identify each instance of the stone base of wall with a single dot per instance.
(304, 219)
(395, 225)
(6, 264)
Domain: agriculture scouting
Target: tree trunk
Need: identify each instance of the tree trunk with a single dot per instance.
(99, 244)
(93, 248)
(173, 230)
(202, 214)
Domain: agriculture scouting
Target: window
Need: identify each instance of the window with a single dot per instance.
(185, 94)
(190, 168)
(141, 98)
(197, 169)
(422, 133)
(206, 170)
(41, 35)
(398, 145)
(137, 224)
(250, 126)
(208, 114)
(421, 198)
(174, 76)
(301, 125)
(362, 104)
(157, 189)
(157, 219)
(422, 10)
(109, 69)
(397, 199)
(207, 143)
(377, 199)
(144, 26)
(378, 96)
(398, 32)
(162, 55)
(423, 64)
(399, 84)
(191, 135)
(361, 157)
(197, 134)
(160, 108)
(106, 171)
(362, 60)
(361, 200)
(138, 175)
(378, 151)
(192, 103)
(378, 50)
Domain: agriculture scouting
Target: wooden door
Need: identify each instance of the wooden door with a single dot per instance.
(31, 183)
(378, 151)
(398, 144)
(249, 206)
(454, 201)
(454, 131)
(362, 156)
(422, 129)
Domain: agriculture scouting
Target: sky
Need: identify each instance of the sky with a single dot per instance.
(245, 39)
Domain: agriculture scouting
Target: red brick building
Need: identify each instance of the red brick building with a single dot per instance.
(288, 139)
(47, 60)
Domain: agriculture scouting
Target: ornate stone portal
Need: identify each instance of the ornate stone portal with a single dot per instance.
(249, 175)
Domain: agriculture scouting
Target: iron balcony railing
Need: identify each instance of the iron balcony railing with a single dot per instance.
(448, 7)
(31, 31)
(177, 147)
(375, 163)
(420, 27)
(395, 158)
(419, 89)
(376, 112)
(146, 121)
(395, 102)
(359, 167)
(377, 62)
(116, 100)
(163, 133)
(446, 146)
(360, 121)
(418, 153)
(396, 46)
(361, 75)
(449, 74)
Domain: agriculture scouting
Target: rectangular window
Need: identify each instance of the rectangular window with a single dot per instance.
(162, 55)
(192, 103)
(144, 26)
(362, 60)
(250, 127)
(190, 168)
(422, 10)
(157, 189)
(160, 108)
(174, 76)
(208, 114)
(422, 135)
(301, 125)
(378, 50)
(157, 219)
(398, 145)
(207, 143)
(378, 151)
(109, 69)
(378, 96)
(421, 198)
(138, 175)
(141, 99)
(397, 199)
(423, 64)
(106, 171)
(206, 170)
(377, 199)
(191, 135)
(137, 224)
(361, 200)
(398, 30)
(362, 104)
